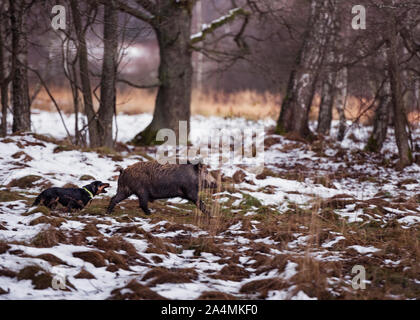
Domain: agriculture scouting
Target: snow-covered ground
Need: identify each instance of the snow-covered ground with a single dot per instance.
(237, 254)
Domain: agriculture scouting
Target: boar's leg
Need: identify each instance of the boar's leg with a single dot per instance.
(143, 199)
(120, 196)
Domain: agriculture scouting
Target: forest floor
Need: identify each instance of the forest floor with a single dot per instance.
(293, 231)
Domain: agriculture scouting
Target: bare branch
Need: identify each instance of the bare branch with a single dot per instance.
(122, 6)
(207, 29)
(138, 86)
(148, 5)
(51, 97)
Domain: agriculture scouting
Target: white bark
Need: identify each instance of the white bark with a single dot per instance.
(341, 99)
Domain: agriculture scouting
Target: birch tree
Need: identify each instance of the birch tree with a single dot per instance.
(381, 120)
(303, 78)
(341, 98)
(329, 81)
(400, 119)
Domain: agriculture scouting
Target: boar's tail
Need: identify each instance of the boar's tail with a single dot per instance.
(121, 170)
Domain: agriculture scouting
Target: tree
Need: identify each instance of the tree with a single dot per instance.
(108, 78)
(400, 119)
(4, 78)
(86, 88)
(303, 78)
(330, 78)
(381, 119)
(20, 90)
(171, 22)
(173, 31)
(341, 98)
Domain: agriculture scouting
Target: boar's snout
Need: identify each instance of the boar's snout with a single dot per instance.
(208, 181)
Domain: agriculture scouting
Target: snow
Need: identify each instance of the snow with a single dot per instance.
(290, 271)
(68, 166)
(208, 27)
(409, 220)
(364, 250)
(333, 242)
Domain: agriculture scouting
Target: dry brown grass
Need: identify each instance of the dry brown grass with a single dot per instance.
(48, 238)
(249, 104)
(135, 291)
(40, 278)
(161, 275)
(93, 257)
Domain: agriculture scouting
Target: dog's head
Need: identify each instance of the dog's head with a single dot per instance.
(97, 187)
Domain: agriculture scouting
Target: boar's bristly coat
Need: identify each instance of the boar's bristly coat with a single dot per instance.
(151, 181)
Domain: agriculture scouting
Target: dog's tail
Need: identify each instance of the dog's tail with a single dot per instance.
(37, 201)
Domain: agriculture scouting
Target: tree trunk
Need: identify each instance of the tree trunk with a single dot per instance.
(340, 100)
(175, 74)
(297, 102)
(20, 97)
(199, 61)
(108, 78)
(329, 83)
(327, 99)
(380, 121)
(94, 140)
(400, 120)
(417, 94)
(4, 83)
(75, 93)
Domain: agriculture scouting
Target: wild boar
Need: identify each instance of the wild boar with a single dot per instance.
(150, 181)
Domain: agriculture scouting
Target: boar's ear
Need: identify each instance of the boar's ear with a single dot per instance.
(198, 164)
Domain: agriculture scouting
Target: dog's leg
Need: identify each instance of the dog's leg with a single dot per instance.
(72, 205)
(54, 203)
(50, 202)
